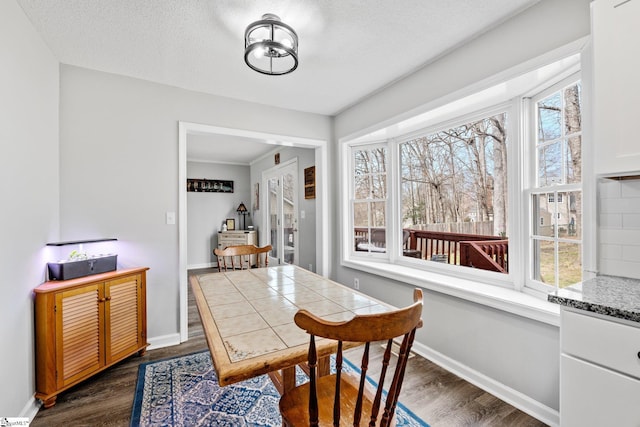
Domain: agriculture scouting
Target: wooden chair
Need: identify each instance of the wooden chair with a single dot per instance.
(243, 254)
(344, 399)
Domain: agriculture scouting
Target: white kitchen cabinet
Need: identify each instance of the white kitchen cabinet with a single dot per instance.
(616, 100)
(599, 371)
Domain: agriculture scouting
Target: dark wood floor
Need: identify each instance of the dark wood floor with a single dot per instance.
(437, 396)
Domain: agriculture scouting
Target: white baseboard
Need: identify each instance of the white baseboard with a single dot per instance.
(203, 265)
(163, 341)
(513, 397)
(30, 409)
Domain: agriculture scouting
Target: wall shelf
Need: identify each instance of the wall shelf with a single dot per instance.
(79, 242)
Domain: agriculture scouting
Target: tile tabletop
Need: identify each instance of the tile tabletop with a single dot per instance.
(250, 313)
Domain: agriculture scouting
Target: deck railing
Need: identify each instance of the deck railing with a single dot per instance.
(489, 255)
(472, 250)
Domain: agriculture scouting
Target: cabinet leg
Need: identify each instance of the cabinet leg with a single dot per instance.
(48, 403)
(142, 352)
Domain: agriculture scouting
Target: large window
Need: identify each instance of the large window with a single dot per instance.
(454, 193)
(556, 196)
(494, 195)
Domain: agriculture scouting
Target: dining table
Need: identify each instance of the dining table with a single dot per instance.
(248, 320)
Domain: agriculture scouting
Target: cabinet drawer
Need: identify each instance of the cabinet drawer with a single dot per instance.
(231, 242)
(602, 342)
(231, 236)
(594, 396)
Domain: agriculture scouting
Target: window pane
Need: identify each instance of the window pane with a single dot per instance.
(564, 217)
(572, 208)
(544, 221)
(574, 159)
(379, 186)
(572, 113)
(370, 175)
(361, 214)
(544, 266)
(454, 188)
(549, 117)
(550, 164)
(362, 187)
(361, 160)
(378, 210)
(378, 160)
(569, 263)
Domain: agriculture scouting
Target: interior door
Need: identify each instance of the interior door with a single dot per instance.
(282, 212)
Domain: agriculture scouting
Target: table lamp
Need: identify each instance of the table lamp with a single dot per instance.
(242, 211)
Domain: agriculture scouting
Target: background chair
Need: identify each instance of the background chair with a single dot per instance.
(346, 399)
(241, 256)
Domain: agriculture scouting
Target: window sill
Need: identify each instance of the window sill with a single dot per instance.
(508, 300)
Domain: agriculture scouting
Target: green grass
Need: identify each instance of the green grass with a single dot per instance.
(570, 264)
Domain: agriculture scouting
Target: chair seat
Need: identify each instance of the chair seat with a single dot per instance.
(294, 405)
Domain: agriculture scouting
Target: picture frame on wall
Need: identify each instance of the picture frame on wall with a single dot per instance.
(231, 224)
(310, 182)
(209, 185)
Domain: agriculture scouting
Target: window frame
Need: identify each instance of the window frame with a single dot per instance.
(532, 188)
(393, 255)
(352, 148)
(511, 295)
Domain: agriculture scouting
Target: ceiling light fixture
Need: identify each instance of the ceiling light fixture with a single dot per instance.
(271, 46)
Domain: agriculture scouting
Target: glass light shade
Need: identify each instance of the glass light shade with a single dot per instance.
(271, 46)
(242, 209)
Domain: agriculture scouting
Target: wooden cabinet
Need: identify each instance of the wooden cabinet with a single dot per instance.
(85, 325)
(238, 237)
(599, 371)
(616, 60)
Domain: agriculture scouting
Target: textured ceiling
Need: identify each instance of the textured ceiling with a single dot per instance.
(348, 49)
(235, 150)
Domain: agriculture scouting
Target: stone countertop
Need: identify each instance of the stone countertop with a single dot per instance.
(609, 295)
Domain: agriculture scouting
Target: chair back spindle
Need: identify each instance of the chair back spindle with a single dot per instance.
(343, 399)
(243, 254)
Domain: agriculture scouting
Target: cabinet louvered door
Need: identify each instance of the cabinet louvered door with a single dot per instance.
(124, 317)
(79, 318)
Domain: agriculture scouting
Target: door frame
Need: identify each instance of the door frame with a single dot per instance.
(278, 171)
(323, 219)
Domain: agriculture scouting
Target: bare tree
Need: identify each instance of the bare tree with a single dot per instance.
(573, 129)
(455, 172)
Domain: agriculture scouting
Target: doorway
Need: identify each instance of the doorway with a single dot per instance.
(282, 212)
(322, 218)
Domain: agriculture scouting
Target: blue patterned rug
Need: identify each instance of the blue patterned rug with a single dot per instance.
(184, 391)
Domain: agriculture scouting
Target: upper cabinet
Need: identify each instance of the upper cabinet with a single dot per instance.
(616, 55)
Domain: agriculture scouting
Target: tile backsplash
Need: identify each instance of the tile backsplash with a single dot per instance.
(619, 227)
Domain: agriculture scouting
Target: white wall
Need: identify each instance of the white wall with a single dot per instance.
(119, 168)
(207, 211)
(501, 351)
(29, 193)
(540, 29)
(619, 231)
